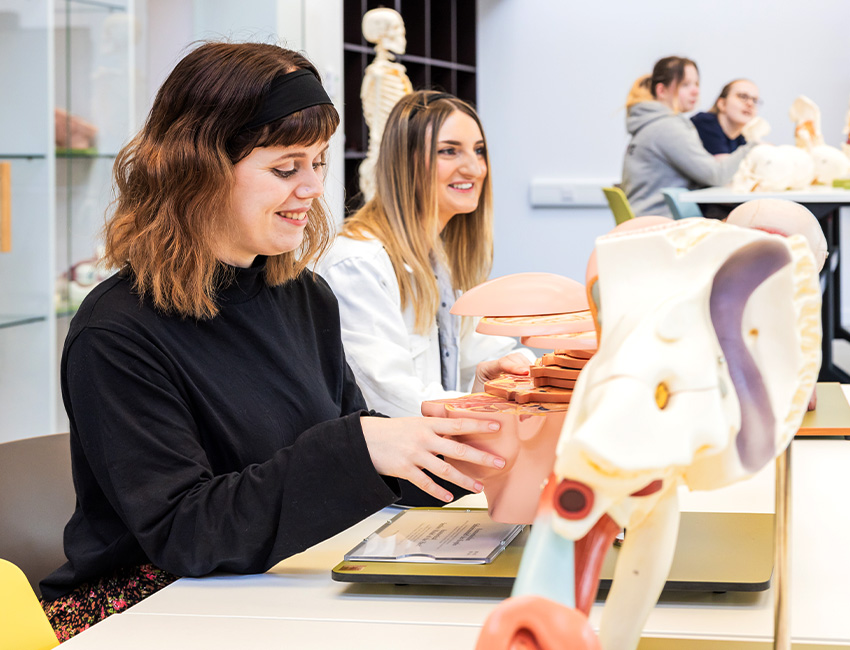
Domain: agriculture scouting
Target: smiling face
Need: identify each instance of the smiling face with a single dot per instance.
(273, 190)
(461, 166)
(741, 104)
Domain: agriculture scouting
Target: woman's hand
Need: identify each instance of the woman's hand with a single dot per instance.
(515, 363)
(403, 447)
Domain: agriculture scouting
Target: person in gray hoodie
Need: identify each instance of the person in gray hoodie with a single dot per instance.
(665, 149)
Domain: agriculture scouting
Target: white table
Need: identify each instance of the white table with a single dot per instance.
(824, 203)
(298, 605)
(814, 195)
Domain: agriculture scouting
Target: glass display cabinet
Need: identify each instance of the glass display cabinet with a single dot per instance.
(71, 99)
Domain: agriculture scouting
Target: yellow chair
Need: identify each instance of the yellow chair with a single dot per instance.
(619, 204)
(23, 624)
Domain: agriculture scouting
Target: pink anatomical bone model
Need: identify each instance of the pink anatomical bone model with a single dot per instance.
(526, 441)
(531, 409)
(709, 349)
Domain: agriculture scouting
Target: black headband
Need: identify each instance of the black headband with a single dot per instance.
(287, 94)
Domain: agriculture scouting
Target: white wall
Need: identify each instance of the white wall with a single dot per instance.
(553, 78)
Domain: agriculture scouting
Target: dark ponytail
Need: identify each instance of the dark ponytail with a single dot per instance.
(669, 71)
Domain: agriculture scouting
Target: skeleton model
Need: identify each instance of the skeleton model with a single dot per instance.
(730, 317)
(829, 162)
(384, 83)
(806, 117)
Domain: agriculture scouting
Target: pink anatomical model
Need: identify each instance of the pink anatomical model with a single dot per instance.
(531, 409)
(526, 441)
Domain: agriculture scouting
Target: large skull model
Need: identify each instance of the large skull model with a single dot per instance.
(830, 163)
(709, 351)
(768, 168)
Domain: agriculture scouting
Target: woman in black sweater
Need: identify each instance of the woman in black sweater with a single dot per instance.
(215, 424)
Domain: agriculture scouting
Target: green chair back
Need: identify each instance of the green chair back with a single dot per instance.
(619, 204)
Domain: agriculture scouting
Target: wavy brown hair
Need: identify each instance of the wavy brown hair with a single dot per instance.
(403, 213)
(173, 180)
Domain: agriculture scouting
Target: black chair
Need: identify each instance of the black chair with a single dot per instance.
(36, 500)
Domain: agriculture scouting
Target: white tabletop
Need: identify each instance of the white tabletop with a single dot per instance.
(299, 605)
(814, 194)
(130, 631)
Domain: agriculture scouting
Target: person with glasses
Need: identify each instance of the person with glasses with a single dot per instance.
(665, 150)
(721, 128)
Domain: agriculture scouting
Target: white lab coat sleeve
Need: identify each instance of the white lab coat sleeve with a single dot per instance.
(476, 347)
(395, 368)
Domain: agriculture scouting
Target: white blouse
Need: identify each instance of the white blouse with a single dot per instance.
(396, 368)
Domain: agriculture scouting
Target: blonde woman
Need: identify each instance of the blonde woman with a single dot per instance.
(401, 261)
(665, 149)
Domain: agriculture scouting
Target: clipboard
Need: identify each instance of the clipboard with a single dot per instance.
(436, 536)
(714, 552)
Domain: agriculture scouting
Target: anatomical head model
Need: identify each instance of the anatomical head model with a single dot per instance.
(707, 358)
(785, 167)
(782, 217)
(768, 168)
(530, 409)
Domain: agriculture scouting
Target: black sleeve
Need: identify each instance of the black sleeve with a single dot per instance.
(148, 456)
(352, 397)
(413, 496)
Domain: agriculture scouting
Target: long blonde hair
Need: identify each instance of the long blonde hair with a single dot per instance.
(403, 213)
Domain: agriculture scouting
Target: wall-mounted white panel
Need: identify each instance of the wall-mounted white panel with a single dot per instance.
(566, 193)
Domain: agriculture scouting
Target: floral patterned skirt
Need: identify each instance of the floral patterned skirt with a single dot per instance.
(92, 602)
